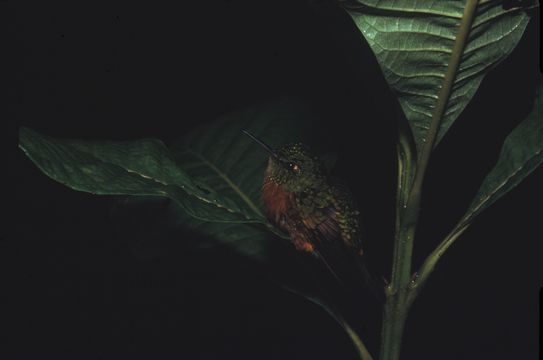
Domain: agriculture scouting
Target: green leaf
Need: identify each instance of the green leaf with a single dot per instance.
(522, 153)
(142, 167)
(220, 156)
(213, 174)
(148, 221)
(247, 240)
(413, 41)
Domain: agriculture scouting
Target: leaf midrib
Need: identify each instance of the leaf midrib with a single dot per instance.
(500, 186)
(228, 181)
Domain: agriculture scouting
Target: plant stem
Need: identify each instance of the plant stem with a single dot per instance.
(361, 349)
(397, 293)
(412, 213)
(328, 306)
(395, 312)
(401, 290)
(431, 261)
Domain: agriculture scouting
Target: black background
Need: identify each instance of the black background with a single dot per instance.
(80, 287)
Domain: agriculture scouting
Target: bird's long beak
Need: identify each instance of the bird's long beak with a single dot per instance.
(262, 143)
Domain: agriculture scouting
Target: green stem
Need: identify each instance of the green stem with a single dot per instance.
(361, 349)
(328, 306)
(394, 316)
(431, 261)
(412, 213)
(401, 290)
(395, 312)
(397, 292)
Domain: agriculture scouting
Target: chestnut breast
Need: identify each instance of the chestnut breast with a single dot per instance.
(276, 202)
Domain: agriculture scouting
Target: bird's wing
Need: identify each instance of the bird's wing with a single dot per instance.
(342, 260)
(338, 220)
(337, 240)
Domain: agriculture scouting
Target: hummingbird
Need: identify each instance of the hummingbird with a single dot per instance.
(317, 211)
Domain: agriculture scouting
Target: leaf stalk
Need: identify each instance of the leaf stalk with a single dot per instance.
(404, 286)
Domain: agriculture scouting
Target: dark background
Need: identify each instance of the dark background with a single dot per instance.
(82, 285)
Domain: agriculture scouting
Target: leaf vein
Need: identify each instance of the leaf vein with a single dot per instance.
(234, 187)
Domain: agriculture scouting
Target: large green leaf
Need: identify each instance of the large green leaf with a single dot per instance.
(213, 173)
(522, 153)
(142, 167)
(219, 155)
(248, 240)
(147, 221)
(413, 41)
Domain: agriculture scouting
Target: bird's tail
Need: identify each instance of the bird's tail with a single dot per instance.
(349, 270)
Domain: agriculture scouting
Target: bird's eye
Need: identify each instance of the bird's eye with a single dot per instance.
(294, 167)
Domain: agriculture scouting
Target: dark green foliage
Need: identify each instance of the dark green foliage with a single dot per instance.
(413, 41)
(213, 175)
(522, 153)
